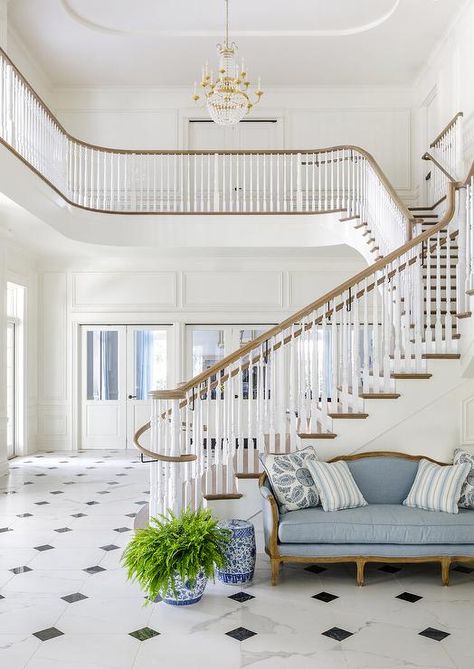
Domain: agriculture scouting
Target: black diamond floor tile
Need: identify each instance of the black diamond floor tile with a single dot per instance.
(78, 515)
(122, 529)
(110, 547)
(69, 482)
(92, 503)
(315, 569)
(5, 529)
(94, 570)
(47, 634)
(325, 597)
(21, 570)
(57, 492)
(112, 483)
(337, 634)
(390, 569)
(44, 547)
(24, 515)
(41, 503)
(61, 530)
(144, 634)
(433, 633)
(2, 597)
(131, 515)
(241, 633)
(104, 492)
(409, 597)
(462, 569)
(75, 597)
(241, 597)
(142, 502)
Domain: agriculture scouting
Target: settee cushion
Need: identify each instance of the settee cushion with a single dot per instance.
(467, 493)
(292, 483)
(336, 486)
(437, 487)
(376, 523)
(384, 479)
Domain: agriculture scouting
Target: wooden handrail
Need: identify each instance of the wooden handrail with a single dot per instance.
(429, 156)
(320, 302)
(446, 128)
(186, 457)
(348, 147)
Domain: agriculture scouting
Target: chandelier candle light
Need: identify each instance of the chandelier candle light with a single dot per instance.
(227, 97)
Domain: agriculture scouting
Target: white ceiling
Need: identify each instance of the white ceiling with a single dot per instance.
(164, 42)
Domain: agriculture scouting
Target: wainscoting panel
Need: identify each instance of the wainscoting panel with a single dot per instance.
(124, 291)
(233, 290)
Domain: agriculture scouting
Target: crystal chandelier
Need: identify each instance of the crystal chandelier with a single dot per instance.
(227, 97)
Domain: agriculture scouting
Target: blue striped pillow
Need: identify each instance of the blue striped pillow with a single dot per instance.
(336, 486)
(437, 487)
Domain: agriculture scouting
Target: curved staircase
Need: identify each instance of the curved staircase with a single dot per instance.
(390, 333)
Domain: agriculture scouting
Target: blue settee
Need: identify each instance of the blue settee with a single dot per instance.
(384, 531)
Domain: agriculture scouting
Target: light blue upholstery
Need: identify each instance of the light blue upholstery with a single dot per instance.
(385, 528)
(384, 480)
(376, 523)
(376, 550)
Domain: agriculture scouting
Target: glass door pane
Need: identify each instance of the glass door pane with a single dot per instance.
(150, 362)
(208, 347)
(11, 390)
(102, 365)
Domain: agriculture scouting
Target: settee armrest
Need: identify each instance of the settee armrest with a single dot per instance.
(271, 517)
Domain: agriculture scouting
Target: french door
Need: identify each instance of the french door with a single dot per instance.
(121, 364)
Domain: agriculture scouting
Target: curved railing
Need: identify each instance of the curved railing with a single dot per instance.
(294, 381)
(335, 179)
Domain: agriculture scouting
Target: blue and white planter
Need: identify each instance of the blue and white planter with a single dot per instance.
(240, 554)
(185, 594)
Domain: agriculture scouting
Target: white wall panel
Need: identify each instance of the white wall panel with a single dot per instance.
(53, 337)
(305, 286)
(385, 133)
(152, 129)
(242, 290)
(116, 291)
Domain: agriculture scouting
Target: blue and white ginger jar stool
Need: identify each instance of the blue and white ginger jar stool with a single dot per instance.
(185, 592)
(240, 553)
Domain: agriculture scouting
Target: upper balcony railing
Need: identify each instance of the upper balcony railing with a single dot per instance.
(340, 178)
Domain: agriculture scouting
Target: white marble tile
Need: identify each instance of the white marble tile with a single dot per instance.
(17, 649)
(107, 651)
(287, 620)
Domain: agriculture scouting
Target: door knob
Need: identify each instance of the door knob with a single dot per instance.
(132, 397)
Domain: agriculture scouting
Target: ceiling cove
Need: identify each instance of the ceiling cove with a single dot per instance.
(375, 15)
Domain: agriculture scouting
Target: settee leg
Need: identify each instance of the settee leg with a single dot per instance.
(275, 571)
(445, 565)
(360, 572)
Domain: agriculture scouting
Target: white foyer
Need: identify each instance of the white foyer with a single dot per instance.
(236, 334)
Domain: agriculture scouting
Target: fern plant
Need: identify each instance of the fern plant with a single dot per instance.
(183, 545)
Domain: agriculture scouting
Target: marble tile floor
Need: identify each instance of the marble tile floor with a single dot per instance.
(65, 602)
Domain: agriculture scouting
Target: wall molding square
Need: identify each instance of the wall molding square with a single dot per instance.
(245, 290)
(124, 291)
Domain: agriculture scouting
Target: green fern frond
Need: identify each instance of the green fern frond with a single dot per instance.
(186, 545)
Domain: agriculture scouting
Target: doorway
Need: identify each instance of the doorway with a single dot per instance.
(120, 365)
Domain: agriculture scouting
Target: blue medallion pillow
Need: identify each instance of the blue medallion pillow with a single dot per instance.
(466, 501)
(290, 478)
